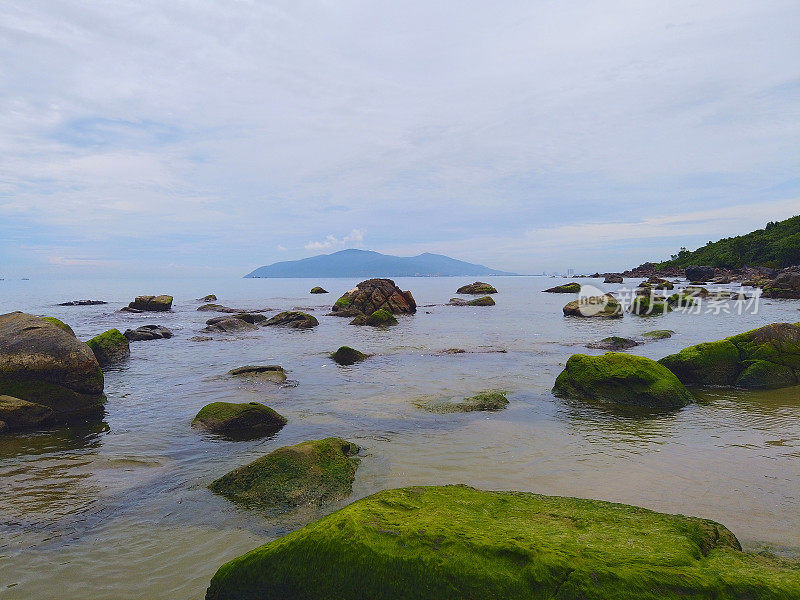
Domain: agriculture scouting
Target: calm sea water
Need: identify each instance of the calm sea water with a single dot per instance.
(121, 510)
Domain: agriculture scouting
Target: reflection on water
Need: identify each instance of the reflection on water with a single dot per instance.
(121, 509)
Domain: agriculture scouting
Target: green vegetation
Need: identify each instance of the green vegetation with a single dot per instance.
(484, 301)
(777, 245)
(381, 317)
(241, 421)
(605, 306)
(109, 347)
(59, 323)
(448, 542)
(318, 290)
(658, 334)
(485, 401)
(346, 355)
(644, 306)
(567, 288)
(621, 379)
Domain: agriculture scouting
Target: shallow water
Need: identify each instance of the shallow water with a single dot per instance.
(121, 509)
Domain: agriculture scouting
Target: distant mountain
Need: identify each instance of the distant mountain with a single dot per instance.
(364, 263)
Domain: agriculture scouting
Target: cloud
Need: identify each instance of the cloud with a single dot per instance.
(354, 238)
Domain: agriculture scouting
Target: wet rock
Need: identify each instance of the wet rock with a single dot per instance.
(151, 303)
(621, 379)
(477, 288)
(228, 324)
(318, 290)
(658, 334)
(18, 414)
(274, 373)
(785, 285)
(110, 347)
(294, 319)
(374, 294)
(696, 291)
(646, 306)
(380, 318)
(82, 303)
(613, 278)
(43, 364)
(484, 301)
(699, 273)
(456, 542)
(567, 288)
(346, 355)
(209, 298)
(201, 338)
(605, 306)
(59, 323)
(146, 333)
(245, 421)
(613, 343)
(485, 401)
(764, 358)
(311, 473)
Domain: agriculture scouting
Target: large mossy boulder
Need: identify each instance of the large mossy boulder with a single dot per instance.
(621, 379)
(152, 303)
(110, 347)
(346, 356)
(246, 421)
(476, 289)
(374, 294)
(767, 357)
(456, 542)
(43, 364)
(294, 319)
(567, 288)
(20, 414)
(380, 318)
(603, 307)
(310, 473)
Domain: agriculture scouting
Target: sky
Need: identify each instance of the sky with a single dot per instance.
(208, 137)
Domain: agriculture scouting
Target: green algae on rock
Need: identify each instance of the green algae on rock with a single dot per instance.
(485, 401)
(42, 363)
(274, 373)
(346, 356)
(379, 318)
(294, 319)
(658, 334)
(318, 290)
(59, 323)
(429, 543)
(110, 347)
(21, 414)
(243, 421)
(477, 288)
(613, 342)
(604, 307)
(373, 294)
(310, 473)
(151, 303)
(763, 358)
(621, 379)
(567, 288)
(646, 306)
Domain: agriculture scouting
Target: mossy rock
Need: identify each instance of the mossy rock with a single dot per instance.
(110, 347)
(696, 291)
(273, 373)
(621, 379)
(658, 334)
(665, 285)
(603, 307)
(245, 421)
(59, 323)
(613, 342)
(456, 542)
(20, 414)
(645, 306)
(485, 401)
(152, 303)
(318, 290)
(477, 288)
(484, 301)
(310, 473)
(346, 355)
(763, 358)
(379, 318)
(567, 288)
(294, 319)
(681, 301)
(209, 298)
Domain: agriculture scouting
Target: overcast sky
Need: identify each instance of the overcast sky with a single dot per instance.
(213, 137)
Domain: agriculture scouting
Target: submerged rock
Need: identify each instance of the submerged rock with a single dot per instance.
(380, 318)
(151, 303)
(456, 542)
(485, 401)
(567, 288)
(43, 364)
(310, 473)
(373, 294)
(145, 333)
(110, 347)
(230, 324)
(605, 306)
(82, 303)
(613, 343)
(274, 373)
(658, 334)
(239, 421)
(645, 306)
(621, 379)
(18, 414)
(613, 278)
(696, 273)
(60, 324)
(209, 298)
(477, 288)
(484, 301)
(346, 355)
(318, 290)
(294, 319)
(767, 357)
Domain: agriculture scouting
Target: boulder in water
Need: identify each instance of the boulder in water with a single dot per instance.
(209, 298)
(274, 373)
(146, 333)
(82, 303)
(380, 318)
(18, 414)
(318, 290)
(246, 421)
(614, 343)
(605, 306)
(229, 324)
(151, 303)
(700, 273)
(485, 401)
(373, 294)
(294, 319)
(60, 324)
(613, 278)
(110, 347)
(567, 288)
(785, 285)
(477, 288)
(346, 355)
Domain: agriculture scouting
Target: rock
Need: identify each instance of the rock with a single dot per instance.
(477, 288)
(20, 414)
(373, 294)
(110, 347)
(310, 473)
(130, 310)
(60, 324)
(680, 301)
(246, 421)
(658, 334)
(567, 288)
(274, 373)
(146, 333)
(229, 310)
(665, 285)
(456, 542)
(696, 273)
(764, 358)
(346, 355)
(613, 343)
(621, 379)
(484, 301)
(646, 306)
(294, 319)
(696, 291)
(82, 303)
(613, 278)
(151, 303)
(785, 285)
(318, 290)
(380, 318)
(42, 363)
(605, 306)
(485, 401)
(200, 338)
(209, 298)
